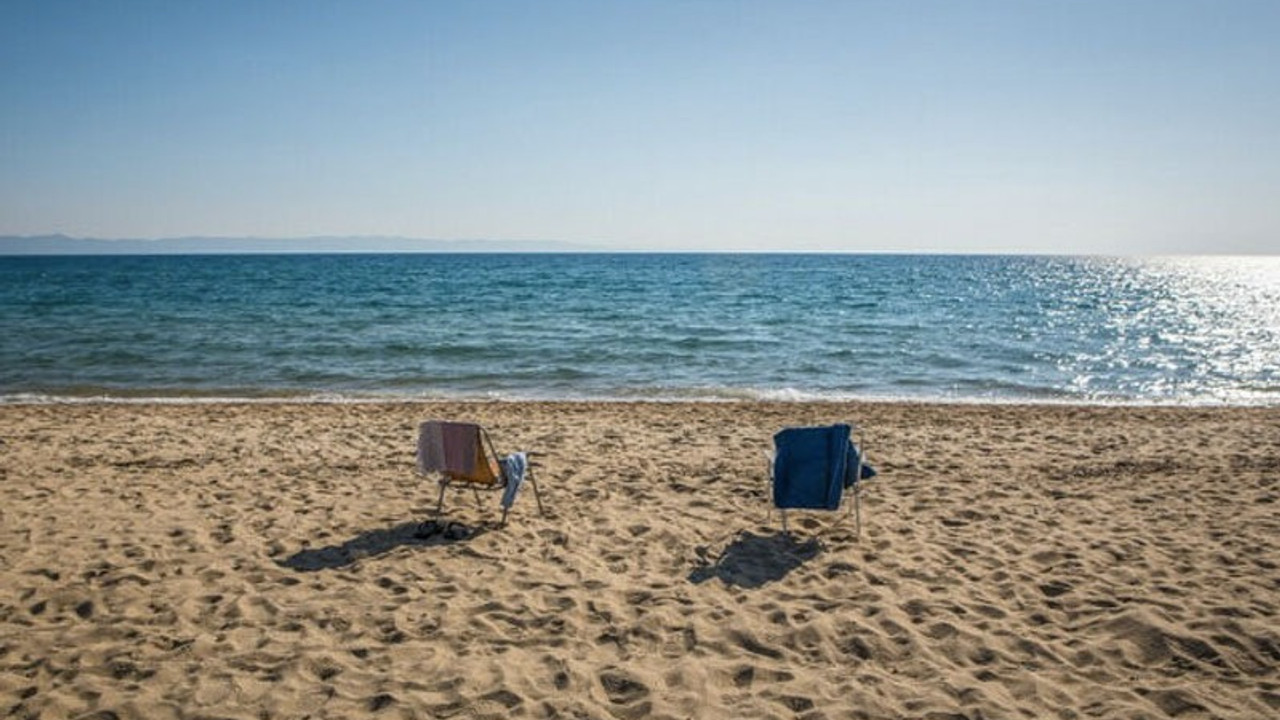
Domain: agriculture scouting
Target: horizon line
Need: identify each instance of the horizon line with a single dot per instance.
(60, 245)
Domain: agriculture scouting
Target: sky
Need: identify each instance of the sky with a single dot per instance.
(1040, 126)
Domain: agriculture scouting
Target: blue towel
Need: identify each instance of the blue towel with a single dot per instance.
(514, 467)
(809, 468)
(851, 473)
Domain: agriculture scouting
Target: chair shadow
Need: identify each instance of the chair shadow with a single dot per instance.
(373, 543)
(752, 561)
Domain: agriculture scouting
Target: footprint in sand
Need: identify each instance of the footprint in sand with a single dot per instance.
(796, 703)
(623, 689)
(505, 698)
(1054, 588)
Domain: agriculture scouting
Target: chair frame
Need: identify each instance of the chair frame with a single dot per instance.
(501, 481)
(855, 490)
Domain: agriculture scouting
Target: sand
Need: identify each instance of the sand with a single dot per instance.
(259, 561)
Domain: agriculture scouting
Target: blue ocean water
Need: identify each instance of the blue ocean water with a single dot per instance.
(953, 328)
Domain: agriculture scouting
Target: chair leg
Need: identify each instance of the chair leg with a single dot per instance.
(768, 493)
(785, 531)
(857, 496)
(857, 509)
(440, 500)
(536, 494)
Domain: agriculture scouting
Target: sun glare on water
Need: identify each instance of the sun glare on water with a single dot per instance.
(1195, 323)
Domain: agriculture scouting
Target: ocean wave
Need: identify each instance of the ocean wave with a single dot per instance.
(1268, 398)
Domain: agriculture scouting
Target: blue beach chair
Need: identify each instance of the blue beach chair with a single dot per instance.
(810, 468)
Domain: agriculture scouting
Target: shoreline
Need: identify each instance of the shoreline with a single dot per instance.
(38, 399)
(241, 559)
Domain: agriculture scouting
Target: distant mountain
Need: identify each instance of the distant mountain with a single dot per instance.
(63, 245)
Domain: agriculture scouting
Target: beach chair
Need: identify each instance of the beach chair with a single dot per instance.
(810, 468)
(462, 453)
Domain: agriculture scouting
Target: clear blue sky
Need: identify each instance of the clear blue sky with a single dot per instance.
(1141, 126)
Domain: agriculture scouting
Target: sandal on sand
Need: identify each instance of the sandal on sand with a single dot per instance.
(428, 529)
(451, 530)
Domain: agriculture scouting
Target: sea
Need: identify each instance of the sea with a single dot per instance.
(663, 327)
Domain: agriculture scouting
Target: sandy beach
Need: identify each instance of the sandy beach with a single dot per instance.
(260, 561)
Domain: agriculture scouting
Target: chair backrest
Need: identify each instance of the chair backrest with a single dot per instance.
(809, 467)
(457, 451)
